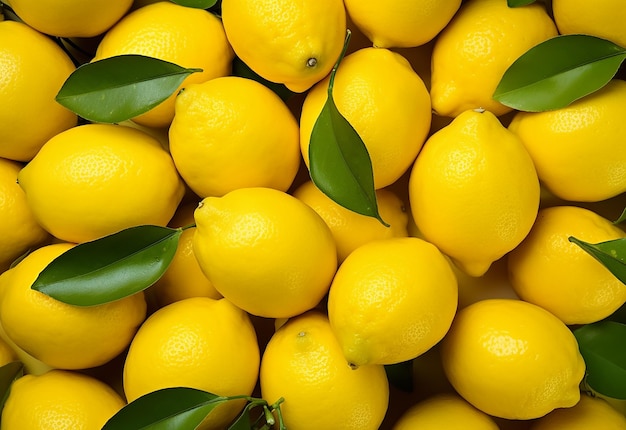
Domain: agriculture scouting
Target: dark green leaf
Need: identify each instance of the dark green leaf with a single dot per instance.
(110, 268)
(557, 72)
(9, 373)
(400, 375)
(241, 69)
(119, 88)
(519, 3)
(619, 315)
(177, 408)
(621, 218)
(339, 163)
(612, 255)
(243, 421)
(604, 350)
(198, 4)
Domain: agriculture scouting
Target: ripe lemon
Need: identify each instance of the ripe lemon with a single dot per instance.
(350, 229)
(7, 353)
(28, 110)
(303, 364)
(264, 250)
(401, 23)
(200, 343)
(295, 43)
(589, 412)
(493, 284)
(391, 300)
(446, 411)
(385, 101)
(182, 35)
(18, 227)
(231, 133)
(603, 18)
(512, 359)
(71, 18)
(578, 150)
(59, 399)
(550, 271)
(473, 191)
(62, 335)
(472, 53)
(96, 179)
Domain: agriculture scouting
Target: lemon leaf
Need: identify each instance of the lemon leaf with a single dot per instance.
(621, 218)
(109, 268)
(168, 408)
(8, 374)
(198, 4)
(119, 88)
(242, 70)
(518, 3)
(339, 164)
(554, 73)
(602, 346)
(612, 254)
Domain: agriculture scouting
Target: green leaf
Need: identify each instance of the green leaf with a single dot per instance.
(9, 373)
(198, 4)
(621, 218)
(166, 409)
(110, 268)
(557, 72)
(118, 88)
(612, 254)
(339, 163)
(242, 70)
(519, 3)
(604, 350)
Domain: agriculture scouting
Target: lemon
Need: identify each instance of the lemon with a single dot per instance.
(550, 271)
(59, 399)
(391, 300)
(401, 23)
(603, 18)
(96, 179)
(183, 278)
(71, 18)
(186, 36)
(200, 343)
(385, 101)
(589, 412)
(7, 353)
(265, 251)
(493, 284)
(446, 411)
(578, 150)
(474, 191)
(350, 229)
(295, 43)
(472, 53)
(29, 112)
(512, 359)
(19, 229)
(303, 364)
(62, 335)
(221, 138)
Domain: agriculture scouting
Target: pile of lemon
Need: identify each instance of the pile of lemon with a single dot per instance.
(279, 291)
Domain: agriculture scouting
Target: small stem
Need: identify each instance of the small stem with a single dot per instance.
(188, 226)
(331, 82)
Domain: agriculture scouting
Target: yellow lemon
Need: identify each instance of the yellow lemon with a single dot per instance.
(474, 191)
(62, 335)
(28, 110)
(7, 353)
(183, 278)
(550, 271)
(96, 179)
(602, 18)
(589, 412)
(446, 411)
(472, 53)
(350, 229)
(512, 359)
(578, 150)
(182, 35)
(200, 343)
(231, 133)
(59, 399)
(385, 101)
(264, 250)
(19, 229)
(303, 364)
(71, 18)
(391, 300)
(295, 43)
(401, 23)
(493, 284)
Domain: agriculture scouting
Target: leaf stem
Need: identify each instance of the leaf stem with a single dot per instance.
(333, 72)
(192, 225)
